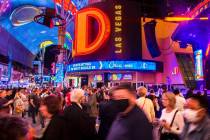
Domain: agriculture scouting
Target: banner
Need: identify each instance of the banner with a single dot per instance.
(113, 65)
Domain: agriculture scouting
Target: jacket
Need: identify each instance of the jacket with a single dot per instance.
(201, 132)
(80, 125)
(56, 129)
(132, 126)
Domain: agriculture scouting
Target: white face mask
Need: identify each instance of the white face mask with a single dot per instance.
(191, 115)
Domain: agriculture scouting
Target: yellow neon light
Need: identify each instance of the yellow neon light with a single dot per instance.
(176, 19)
(208, 50)
(45, 44)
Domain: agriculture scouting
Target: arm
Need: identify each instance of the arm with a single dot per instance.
(178, 124)
(9, 102)
(152, 111)
(32, 102)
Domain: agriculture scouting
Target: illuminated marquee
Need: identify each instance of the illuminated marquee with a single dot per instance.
(112, 65)
(118, 29)
(81, 46)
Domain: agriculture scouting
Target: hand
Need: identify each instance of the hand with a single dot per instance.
(156, 121)
(165, 125)
(10, 101)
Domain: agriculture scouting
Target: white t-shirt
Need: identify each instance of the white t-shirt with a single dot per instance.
(178, 123)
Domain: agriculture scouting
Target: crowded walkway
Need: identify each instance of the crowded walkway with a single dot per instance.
(119, 112)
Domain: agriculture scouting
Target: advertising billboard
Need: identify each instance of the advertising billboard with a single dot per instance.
(113, 65)
(119, 77)
(98, 77)
(112, 32)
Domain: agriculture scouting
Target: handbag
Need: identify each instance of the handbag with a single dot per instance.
(168, 135)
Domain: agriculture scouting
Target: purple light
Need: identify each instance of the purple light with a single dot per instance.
(4, 5)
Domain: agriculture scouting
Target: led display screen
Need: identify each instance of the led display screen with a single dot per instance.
(98, 77)
(127, 77)
(59, 76)
(119, 76)
(32, 34)
(115, 77)
(112, 65)
(198, 65)
(121, 37)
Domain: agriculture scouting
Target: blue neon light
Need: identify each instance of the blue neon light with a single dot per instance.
(112, 65)
(59, 76)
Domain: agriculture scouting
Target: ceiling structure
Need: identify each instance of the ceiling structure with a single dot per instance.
(195, 32)
(16, 17)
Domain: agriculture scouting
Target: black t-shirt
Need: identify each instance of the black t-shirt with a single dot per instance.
(36, 100)
(3, 101)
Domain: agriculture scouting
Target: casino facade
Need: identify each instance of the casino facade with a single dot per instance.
(117, 45)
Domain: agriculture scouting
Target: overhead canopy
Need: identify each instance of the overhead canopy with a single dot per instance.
(16, 21)
(195, 32)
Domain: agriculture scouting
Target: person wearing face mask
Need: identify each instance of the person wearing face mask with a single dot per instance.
(131, 123)
(108, 111)
(197, 120)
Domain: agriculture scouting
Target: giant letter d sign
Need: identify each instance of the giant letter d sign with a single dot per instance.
(81, 46)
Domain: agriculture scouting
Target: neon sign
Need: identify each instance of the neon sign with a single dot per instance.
(118, 29)
(81, 46)
(198, 65)
(67, 5)
(208, 50)
(59, 76)
(45, 44)
(199, 8)
(113, 65)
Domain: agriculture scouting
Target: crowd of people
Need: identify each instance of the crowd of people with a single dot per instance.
(117, 113)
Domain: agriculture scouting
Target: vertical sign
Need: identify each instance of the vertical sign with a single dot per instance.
(198, 65)
(118, 40)
(59, 76)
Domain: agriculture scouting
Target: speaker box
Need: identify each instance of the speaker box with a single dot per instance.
(106, 78)
(70, 82)
(48, 18)
(84, 80)
(149, 30)
(207, 73)
(99, 84)
(48, 21)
